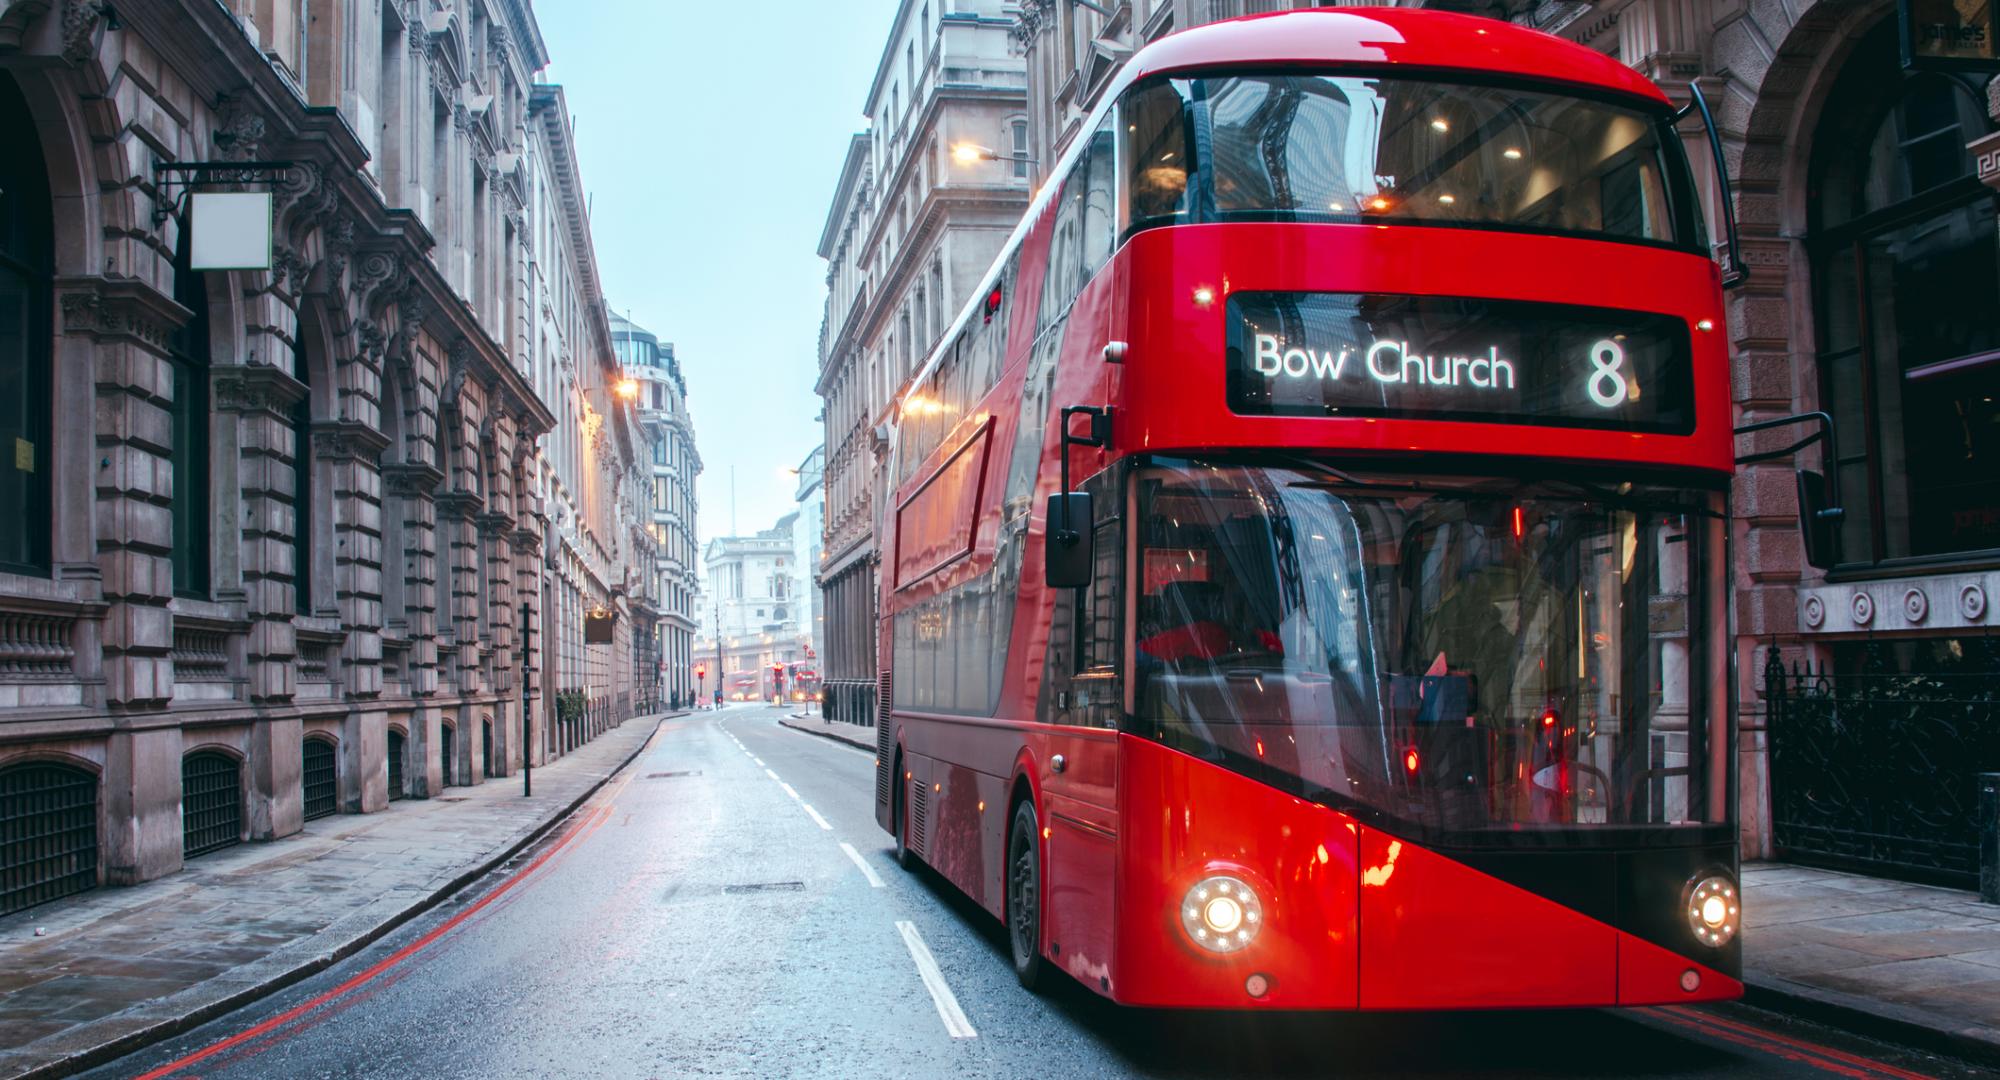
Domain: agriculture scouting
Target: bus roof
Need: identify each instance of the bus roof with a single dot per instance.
(1417, 38)
(1420, 39)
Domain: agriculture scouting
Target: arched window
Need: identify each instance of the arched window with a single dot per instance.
(1907, 270)
(302, 495)
(188, 356)
(27, 268)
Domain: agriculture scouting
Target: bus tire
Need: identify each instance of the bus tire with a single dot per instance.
(1024, 897)
(905, 858)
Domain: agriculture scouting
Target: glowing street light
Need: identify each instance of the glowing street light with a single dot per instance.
(628, 388)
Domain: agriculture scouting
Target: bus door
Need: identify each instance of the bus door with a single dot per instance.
(1083, 696)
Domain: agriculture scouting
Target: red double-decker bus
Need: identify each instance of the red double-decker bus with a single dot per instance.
(1307, 569)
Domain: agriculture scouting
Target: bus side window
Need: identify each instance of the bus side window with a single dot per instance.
(1059, 285)
(1099, 230)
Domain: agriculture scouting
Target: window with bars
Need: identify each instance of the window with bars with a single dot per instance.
(48, 833)
(211, 802)
(319, 776)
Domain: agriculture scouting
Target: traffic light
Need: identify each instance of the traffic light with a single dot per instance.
(701, 671)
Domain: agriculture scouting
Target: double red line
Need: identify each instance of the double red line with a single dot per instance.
(1823, 1058)
(580, 828)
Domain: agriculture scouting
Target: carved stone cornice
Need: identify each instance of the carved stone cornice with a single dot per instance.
(494, 523)
(458, 505)
(410, 480)
(347, 439)
(80, 19)
(372, 271)
(256, 388)
(119, 307)
(526, 540)
(239, 132)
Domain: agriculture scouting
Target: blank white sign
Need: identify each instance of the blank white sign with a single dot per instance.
(232, 230)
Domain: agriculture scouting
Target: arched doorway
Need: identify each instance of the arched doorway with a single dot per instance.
(211, 802)
(48, 833)
(27, 270)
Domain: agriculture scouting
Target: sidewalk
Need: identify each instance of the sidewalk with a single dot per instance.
(119, 968)
(1907, 963)
(815, 724)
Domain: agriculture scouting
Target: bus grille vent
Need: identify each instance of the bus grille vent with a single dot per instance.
(885, 753)
(919, 815)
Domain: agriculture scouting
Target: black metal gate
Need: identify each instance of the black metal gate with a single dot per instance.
(396, 765)
(444, 752)
(1878, 772)
(320, 778)
(211, 802)
(486, 748)
(48, 833)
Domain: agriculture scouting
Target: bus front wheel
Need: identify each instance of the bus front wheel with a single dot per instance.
(1024, 896)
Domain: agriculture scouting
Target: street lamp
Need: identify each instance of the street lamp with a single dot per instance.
(966, 153)
(628, 388)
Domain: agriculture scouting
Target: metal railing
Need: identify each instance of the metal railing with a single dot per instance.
(1880, 772)
(850, 701)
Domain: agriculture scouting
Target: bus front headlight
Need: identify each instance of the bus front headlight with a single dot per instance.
(1222, 913)
(1714, 911)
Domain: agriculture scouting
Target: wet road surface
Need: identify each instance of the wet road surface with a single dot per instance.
(727, 906)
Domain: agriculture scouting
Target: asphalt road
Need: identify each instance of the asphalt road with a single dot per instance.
(704, 916)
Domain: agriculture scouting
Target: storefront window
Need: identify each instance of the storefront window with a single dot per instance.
(1908, 273)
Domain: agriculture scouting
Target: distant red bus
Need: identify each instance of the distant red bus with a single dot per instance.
(802, 682)
(746, 686)
(1305, 584)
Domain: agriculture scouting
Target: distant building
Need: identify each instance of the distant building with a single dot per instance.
(670, 494)
(907, 237)
(753, 602)
(807, 536)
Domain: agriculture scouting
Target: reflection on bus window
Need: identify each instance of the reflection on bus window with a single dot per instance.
(1466, 655)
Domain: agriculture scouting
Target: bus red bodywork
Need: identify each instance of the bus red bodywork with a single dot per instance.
(1355, 912)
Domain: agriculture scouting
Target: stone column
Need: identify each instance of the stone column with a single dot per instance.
(119, 329)
(274, 778)
(140, 823)
(260, 398)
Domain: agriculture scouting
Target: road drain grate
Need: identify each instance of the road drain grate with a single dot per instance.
(767, 886)
(671, 775)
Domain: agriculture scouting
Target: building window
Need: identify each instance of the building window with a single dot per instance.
(188, 356)
(1020, 136)
(27, 271)
(302, 500)
(1908, 274)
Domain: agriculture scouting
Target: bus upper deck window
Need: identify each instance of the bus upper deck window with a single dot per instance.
(1157, 156)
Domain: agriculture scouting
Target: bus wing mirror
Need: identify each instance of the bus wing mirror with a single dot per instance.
(1819, 523)
(1067, 555)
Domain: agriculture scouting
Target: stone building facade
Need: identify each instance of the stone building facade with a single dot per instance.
(753, 598)
(909, 233)
(1866, 200)
(674, 466)
(269, 536)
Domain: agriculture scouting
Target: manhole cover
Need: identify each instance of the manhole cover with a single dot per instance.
(671, 775)
(767, 886)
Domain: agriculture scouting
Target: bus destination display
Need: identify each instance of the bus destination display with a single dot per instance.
(1346, 354)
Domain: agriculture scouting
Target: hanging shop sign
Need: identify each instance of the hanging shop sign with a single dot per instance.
(1958, 35)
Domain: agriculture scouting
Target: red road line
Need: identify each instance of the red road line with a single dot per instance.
(583, 828)
(1824, 1058)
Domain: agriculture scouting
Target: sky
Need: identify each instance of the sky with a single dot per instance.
(710, 144)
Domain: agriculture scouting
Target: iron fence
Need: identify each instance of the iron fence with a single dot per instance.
(1878, 771)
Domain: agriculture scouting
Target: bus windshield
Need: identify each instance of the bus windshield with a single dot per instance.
(1330, 147)
(1481, 660)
